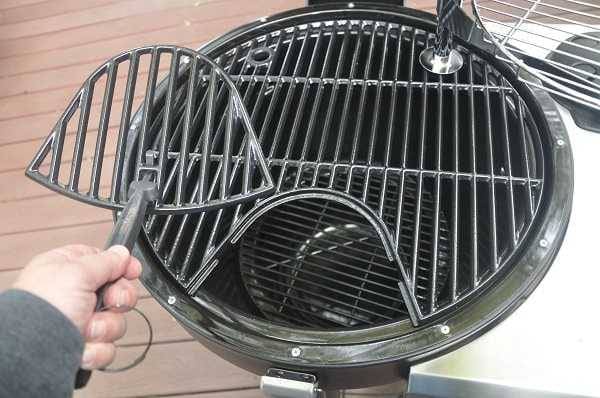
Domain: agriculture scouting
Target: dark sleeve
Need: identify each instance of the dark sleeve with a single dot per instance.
(40, 349)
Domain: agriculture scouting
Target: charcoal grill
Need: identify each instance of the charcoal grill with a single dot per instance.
(412, 211)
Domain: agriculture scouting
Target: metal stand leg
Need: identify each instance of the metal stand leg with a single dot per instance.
(442, 59)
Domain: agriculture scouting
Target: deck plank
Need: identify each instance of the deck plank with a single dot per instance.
(170, 369)
(197, 28)
(11, 4)
(48, 9)
(83, 16)
(17, 249)
(149, 20)
(50, 212)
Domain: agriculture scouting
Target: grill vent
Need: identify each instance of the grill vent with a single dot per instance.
(452, 165)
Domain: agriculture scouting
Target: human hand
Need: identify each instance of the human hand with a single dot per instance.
(68, 278)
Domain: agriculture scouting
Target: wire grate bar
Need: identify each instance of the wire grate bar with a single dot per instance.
(530, 202)
(134, 60)
(147, 108)
(436, 210)
(507, 156)
(167, 118)
(455, 215)
(317, 103)
(475, 264)
(346, 109)
(492, 185)
(111, 77)
(406, 129)
(391, 120)
(333, 98)
(85, 101)
(185, 138)
(361, 109)
(417, 232)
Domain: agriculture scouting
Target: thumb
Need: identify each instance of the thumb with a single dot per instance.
(105, 266)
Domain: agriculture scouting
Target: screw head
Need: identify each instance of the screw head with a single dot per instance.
(444, 329)
(544, 243)
(171, 300)
(296, 352)
(560, 142)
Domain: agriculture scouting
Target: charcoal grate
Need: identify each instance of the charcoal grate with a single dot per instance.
(320, 263)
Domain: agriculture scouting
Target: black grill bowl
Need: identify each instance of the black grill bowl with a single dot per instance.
(412, 212)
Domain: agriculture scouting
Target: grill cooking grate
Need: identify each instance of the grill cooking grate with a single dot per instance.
(452, 165)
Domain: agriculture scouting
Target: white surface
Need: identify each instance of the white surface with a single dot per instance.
(552, 342)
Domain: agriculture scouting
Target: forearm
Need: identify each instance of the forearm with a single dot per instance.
(40, 349)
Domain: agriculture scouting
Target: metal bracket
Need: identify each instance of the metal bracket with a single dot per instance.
(279, 383)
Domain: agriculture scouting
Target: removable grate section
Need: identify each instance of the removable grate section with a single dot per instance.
(174, 142)
(452, 165)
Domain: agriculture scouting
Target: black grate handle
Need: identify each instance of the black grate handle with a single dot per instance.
(125, 232)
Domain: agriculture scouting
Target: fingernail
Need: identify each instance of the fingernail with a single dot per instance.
(120, 250)
(97, 329)
(122, 298)
(87, 359)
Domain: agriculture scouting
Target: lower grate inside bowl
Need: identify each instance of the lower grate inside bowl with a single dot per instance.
(318, 263)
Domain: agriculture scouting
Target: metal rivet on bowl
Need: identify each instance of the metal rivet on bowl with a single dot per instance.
(263, 19)
(171, 300)
(350, 5)
(560, 142)
(444, 329)
(543, 243)
(296, 351)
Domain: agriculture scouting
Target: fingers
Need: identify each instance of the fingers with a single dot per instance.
(72, 252)
(134, 269)
(122, 293)
(66, 253)
(106, 266)
(106, 327)
(97, 355)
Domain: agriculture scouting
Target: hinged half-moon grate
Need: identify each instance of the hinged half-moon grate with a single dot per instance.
(172, 137)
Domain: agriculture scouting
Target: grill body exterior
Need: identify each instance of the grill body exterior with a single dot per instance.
(322, 277)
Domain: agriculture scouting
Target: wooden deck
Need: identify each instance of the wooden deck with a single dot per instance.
(47, 48)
